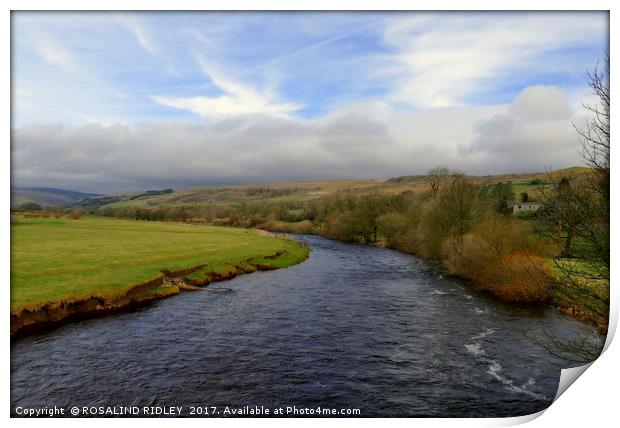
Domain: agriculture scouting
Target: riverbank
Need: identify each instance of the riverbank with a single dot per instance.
(565, 298)
(361, 326)
(74, 269)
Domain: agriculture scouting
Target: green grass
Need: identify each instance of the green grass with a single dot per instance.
(519, 188)
(587, 289)
(65, 260)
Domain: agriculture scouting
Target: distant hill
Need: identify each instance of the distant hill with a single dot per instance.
(515, 177)
(46, 196)
(226, 195)
(94, 202)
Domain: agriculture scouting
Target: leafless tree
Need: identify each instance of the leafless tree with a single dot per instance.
(595, 146)
(577, 208)
(437, 176)
(594, 134)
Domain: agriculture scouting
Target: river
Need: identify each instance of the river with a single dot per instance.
(354, 326)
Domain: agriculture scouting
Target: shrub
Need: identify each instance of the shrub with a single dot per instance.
(338, 226)
(30, 206)
(224, 221)
(304, 227)
(393, 228)
(501, 257)
(75, 214)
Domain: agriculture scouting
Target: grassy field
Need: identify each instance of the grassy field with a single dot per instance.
(65, 260)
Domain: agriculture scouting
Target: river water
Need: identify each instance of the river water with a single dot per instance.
(354, 327)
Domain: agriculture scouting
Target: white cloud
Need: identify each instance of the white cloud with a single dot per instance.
(443, 60)
(430, 97)
(238, 99)
(55, 54)
(534, 131)
(541, 103)
(351, 142)
(142, 34)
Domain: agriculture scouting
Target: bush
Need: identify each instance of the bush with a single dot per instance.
(501, 257)
(30, 206)
(225, 221)
(304, 227)
(393, 228)
(75, 214)
(338, 225)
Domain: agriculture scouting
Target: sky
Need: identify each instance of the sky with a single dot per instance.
(111, 102)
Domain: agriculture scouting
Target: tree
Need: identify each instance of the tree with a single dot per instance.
(595, 146)
(502, 196)
(365, 217)
(451, 215)
(437, 177)
(566, 207)
(594, 134)
(30, 206)
(578, 208)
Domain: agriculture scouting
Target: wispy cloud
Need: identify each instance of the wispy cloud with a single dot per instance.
(238, 98)
(445, 61)
(139, 30)
(56, 54)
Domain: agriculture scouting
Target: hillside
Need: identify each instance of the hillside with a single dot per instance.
(299, 191)
(46, 196)
(231, 194)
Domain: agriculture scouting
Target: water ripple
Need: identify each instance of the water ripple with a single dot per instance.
(354, 327)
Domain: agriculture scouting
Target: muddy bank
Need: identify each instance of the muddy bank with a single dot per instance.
(169, 283)
(583, 315)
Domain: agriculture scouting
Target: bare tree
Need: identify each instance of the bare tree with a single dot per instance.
(437, 176)
(578, 209)
(594, 134)
(579, 205)
(595, 146)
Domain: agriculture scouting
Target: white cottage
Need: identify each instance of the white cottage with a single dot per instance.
(526, 207)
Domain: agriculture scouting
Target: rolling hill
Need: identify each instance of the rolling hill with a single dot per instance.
(307, 190)
(46, 196)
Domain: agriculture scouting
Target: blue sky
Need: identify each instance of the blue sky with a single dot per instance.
(89, 88)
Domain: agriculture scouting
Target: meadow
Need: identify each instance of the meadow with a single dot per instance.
(65, 260)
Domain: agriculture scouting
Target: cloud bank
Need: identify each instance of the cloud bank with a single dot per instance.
(529, 134)
(120, 101)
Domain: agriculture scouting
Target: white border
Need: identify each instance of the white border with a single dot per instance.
(591, 401)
